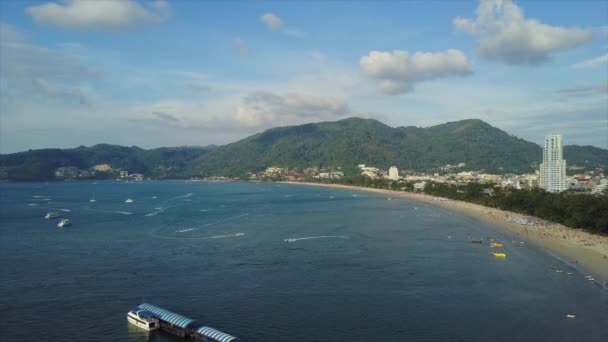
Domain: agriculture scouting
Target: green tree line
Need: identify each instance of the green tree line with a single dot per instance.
(585, 211)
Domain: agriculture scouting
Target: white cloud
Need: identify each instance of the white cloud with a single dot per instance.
(32, 70)
(591, 63)
(264, 109)
(99, 14)
(398, 71)
(271, 21)
(503, 34)
(253, 112)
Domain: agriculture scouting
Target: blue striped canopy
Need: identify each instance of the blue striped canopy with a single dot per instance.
(215, 334)
(167, 316)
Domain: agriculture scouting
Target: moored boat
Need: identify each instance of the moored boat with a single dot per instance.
(499, 255)
(51, 215)
(143, 319)
(64, 223)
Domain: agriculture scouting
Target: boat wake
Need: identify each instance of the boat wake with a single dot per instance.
(196, 237)
(317, 237)
(158, 211)
(185, 230)
(51, 208)
(227, 236)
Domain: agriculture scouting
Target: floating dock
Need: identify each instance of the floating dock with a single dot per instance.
(186, 327)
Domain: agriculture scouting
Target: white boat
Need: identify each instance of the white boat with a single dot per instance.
(143, 319)
(51, 215)
(92, 200)
(129, 200)
(64, 223)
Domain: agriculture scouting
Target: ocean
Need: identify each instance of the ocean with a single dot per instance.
(275, 262)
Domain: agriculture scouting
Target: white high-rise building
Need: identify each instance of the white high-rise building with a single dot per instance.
(393, 173)
(553, 168)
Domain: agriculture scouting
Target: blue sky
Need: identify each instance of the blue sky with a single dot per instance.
(171, 73)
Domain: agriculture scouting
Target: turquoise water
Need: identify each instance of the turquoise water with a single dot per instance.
(274, 262)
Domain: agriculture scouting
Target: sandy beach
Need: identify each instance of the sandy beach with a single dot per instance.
(585, 251)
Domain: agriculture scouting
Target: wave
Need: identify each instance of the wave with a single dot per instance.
(317, 237)
(184, 230)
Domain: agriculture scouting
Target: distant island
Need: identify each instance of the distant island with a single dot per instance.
(326, 146)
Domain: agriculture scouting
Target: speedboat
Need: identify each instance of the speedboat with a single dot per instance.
(51, 215)
(64, 223)
(143, 319)
(499, 255)
(129, 200)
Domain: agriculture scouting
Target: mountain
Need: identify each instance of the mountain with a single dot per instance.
(343, 143)
(353, 141)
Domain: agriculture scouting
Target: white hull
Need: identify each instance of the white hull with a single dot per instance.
(64, 223)
(143, 323)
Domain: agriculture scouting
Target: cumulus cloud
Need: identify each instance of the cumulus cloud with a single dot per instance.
(503, 34)
(398, 71)
(266, 109)
(99, 14)
(591, 63)
(271, 21)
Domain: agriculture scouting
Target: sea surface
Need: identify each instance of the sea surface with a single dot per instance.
(275, 262)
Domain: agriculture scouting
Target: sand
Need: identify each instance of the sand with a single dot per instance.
(585, 251)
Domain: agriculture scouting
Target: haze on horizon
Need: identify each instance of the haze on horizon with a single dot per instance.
(171, 73)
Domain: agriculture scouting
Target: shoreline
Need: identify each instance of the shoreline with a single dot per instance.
(582, 250)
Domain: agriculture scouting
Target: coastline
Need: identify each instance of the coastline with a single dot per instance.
(585, 251)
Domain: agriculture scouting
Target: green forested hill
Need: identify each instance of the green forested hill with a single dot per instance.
(353, 141)
(160, 162)
(343, 143)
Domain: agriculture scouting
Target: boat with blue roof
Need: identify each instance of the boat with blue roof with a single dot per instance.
(180, 325)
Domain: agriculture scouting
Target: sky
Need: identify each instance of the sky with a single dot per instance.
(174, 73)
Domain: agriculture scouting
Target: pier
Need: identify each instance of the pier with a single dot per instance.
(186, 327)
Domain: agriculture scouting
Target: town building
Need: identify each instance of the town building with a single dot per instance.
(102, 167)
(553, 168)
(393, 173)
